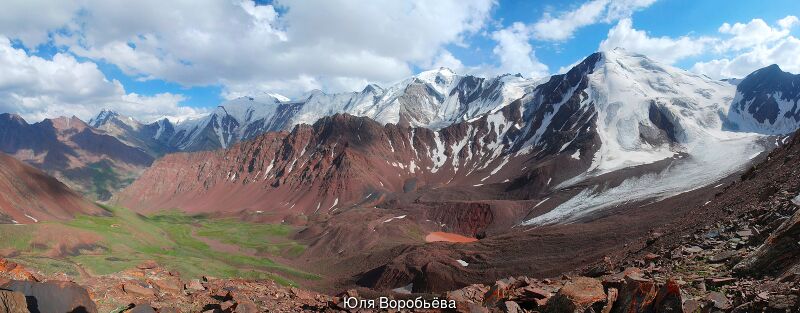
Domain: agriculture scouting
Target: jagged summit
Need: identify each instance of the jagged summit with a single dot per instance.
(103, 117)
(766, 102)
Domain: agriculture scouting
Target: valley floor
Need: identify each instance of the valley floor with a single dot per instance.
(89, 246)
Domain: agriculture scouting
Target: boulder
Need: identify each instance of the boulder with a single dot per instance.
(722, 256)
(577, 295)
(146, 265)
(668, 298)
(718, 300)
(636, 295)
(496, 294)
(471, 293)
(135, 289)
(511, 307)
(12, 302)
(246, 306)
(195, 285)
(169, 284)
(142, 308)
(53, 296)
(778, 253)
(613, 293)
(16, 271)
(227, 306)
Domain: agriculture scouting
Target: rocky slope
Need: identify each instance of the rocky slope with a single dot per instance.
(579, 168)
(87, 160)
(339, 162)
(649, 128)
(28, 195)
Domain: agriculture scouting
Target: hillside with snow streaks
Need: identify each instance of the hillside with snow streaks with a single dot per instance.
(615, 129)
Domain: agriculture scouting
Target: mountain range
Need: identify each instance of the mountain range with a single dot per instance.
(613, 113)
(570, 168)
(86, 159)
(608, 147)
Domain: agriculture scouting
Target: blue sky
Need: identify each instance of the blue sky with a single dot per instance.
(149, 59)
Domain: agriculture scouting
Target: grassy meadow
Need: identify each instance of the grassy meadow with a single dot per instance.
(191, 245)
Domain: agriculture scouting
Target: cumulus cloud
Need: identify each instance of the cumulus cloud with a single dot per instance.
(63, 86)
(515, 52)
(237, 44)
(563, 25)
(756, 32)
(32, 20)
(754, 45)
(665, 49)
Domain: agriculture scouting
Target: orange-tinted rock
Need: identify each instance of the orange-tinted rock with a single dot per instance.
(195, 285)
(169, 285)
(496, 294)
(246, 306)
(146, 265)
(637, 295)
(613, 294)
(20, 273)
(669, 298)
(137, 290)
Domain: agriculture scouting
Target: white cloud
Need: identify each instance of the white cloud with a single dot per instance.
(755, 33)
(783, 52)
(239, 44)
(446, 59)
(37, 88)
(752, 46)
(789, 22)
(32, 20)
(563, 26)
(665, 49)
(515, 52)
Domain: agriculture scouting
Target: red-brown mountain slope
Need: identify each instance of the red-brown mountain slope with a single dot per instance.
(28, 195)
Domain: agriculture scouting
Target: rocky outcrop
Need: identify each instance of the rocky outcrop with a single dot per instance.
(13, 302)
(780, 253)
(627, 291)
(578, 295)
(53, 296)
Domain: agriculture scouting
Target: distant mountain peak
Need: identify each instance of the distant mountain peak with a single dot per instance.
(13, 117)
(103, 117)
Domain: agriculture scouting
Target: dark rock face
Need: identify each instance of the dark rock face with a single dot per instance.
(758, 97)
(53, 296)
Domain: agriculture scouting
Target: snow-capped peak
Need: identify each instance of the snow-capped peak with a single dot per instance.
(646, 112)
(103, 117)
(279, 97)
(440, 79)
(106, 115)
